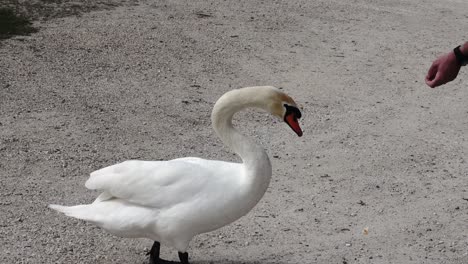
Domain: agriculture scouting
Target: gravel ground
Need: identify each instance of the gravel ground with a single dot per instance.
(378, 177)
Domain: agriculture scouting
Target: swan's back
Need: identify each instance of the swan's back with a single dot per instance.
(162, 184)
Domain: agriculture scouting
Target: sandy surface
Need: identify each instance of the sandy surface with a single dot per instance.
(381, 151)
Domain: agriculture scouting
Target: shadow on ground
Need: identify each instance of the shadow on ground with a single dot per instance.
(162, 261)
(234, 262)
(16, 16)
(12, 24)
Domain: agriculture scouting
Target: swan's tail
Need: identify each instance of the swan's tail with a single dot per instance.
(60, 208)
(117, 217)
(83, 211)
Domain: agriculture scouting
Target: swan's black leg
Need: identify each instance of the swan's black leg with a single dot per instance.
(154, 253)
(183, 258)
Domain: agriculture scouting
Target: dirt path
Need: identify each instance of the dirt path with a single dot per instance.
(381, 152)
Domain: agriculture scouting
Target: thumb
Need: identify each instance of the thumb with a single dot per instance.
(431, 74)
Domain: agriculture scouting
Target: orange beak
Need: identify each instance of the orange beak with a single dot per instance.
(292, 121)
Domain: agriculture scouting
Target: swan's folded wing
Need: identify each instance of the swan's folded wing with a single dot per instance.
(155, 184)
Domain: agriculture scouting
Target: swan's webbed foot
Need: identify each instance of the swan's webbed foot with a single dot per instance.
(183, 258)
(154, 255)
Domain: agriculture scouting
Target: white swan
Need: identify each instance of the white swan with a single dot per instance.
(172, 201)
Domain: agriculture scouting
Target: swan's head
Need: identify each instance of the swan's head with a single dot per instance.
(268, 98)
(284, 107)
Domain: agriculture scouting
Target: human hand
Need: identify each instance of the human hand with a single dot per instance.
(443, 70)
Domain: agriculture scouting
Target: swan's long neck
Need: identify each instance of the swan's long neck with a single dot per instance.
(254, 157)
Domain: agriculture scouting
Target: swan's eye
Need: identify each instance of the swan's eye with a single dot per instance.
(292, 110)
